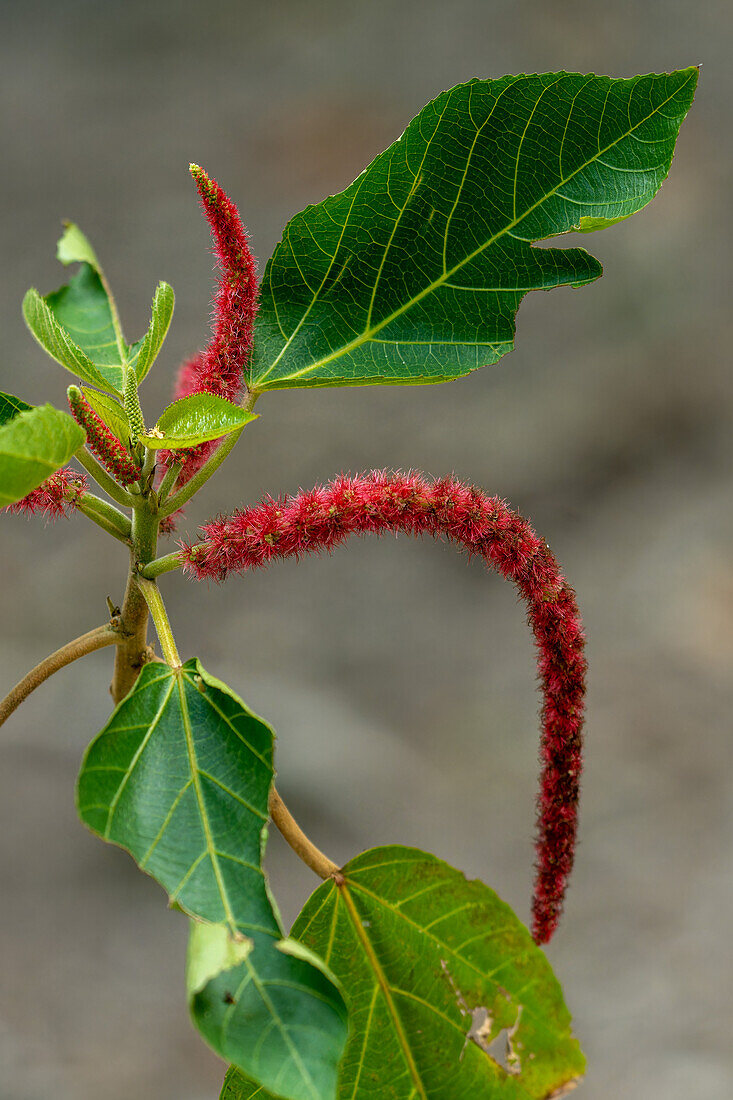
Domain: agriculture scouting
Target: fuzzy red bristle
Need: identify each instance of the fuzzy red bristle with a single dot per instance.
(324, 517)
(221, 368)
(100, 440)
(57, 496)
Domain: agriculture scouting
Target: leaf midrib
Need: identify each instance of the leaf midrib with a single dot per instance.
(386, 990)
(368, 333)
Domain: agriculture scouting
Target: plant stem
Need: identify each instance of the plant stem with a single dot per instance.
(210, 467)
(102, 636)
(168, 483)
(102, 478)
(154, 600)
(134, 652)
(298, 841)
(166, 564)
(105, 516)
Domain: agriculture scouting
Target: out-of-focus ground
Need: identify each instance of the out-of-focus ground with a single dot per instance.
(400, 678)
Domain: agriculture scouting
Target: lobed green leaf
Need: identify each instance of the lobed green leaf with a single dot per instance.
(34, 443)
(415, 272)
(180, 777)
(448, 995)
(196, 419)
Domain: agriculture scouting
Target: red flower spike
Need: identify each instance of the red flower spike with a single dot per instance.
(57, 496)
(325, 516)
(222, 367)
(100, 440)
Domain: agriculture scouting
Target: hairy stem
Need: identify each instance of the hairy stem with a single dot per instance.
(102, 636)
(154, 600)
(134, 652)
(102, 478)
(106, 516)
(187, 491)
(166, 564)
(303, 847)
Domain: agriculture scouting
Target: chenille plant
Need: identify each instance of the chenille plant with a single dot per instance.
(400, 979)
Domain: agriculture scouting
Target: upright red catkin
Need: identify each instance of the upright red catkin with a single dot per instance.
(221, 368)
(57, 496)
(325, 516)
(100, 440)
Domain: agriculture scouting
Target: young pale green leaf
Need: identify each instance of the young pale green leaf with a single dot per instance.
(74, 248)
(111, 412)
(143, 353)
(415, 272)
(180, 777)
(196, 419)
(271, 1008)
(10, 406)
(54, 339)
(448, 996)
(33, 445)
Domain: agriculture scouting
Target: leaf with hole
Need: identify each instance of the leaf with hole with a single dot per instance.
(34, 443)
(415, 272)
(447, 993)
(196, 419)
(10, 406)
(180, 777)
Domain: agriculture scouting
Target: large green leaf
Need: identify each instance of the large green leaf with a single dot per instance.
(448, 996)
(142, 354)
(415, 272)
(196, 419)
(10, 406)
(33, 445)
(180, 777)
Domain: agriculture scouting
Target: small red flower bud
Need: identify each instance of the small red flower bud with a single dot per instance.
(325, 516)
(56, 497)
(100, 440)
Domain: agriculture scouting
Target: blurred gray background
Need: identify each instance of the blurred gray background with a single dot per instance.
(400, 678)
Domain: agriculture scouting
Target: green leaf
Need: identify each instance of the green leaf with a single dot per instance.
(180, 777)
(415, 272)
(54, 339)
(73, 247)
(111, 412)
(33, 445)
(143, 353)
(237, 1087)
(84, 310)
(10, 406)
(196, 419)
(274, 1010)
(448, 996)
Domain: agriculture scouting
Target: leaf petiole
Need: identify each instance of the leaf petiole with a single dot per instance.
(102, 478)
(106, 516)
(159, 615)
